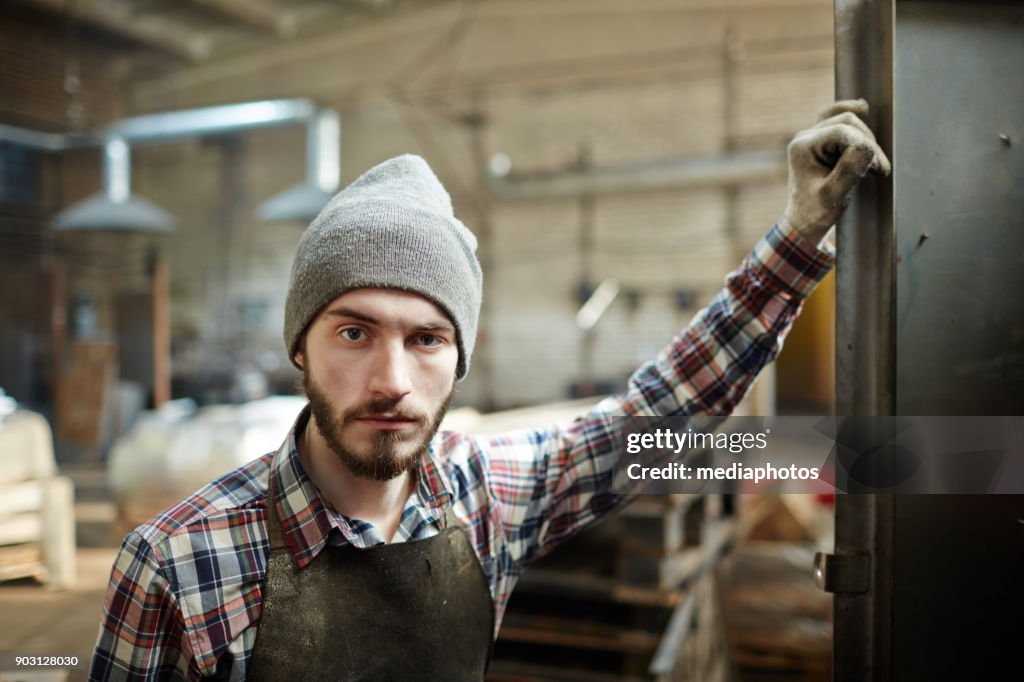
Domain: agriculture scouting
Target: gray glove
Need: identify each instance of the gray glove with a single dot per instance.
(825, 164)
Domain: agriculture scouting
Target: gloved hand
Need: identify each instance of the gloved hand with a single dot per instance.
(825, 164)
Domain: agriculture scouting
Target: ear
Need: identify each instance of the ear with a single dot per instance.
(299, 359)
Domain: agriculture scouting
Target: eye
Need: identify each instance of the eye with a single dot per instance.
(353, 334)
(429, 340)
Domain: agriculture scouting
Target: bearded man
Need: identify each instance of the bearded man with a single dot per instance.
(372, 547)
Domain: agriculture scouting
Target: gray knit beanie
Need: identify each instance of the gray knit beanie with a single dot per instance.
(392, 228)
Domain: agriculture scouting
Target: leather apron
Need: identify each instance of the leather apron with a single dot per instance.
(417, 610)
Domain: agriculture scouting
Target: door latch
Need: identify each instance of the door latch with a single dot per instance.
(842, 573)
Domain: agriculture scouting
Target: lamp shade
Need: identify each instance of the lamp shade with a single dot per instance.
(100, 212)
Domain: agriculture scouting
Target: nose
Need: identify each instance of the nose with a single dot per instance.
(391, 377)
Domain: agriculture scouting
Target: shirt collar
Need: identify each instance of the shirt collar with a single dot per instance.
(308, 520)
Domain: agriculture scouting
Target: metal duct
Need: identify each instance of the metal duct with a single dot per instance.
(218, 120)
(323, 174)
(115, 208)
(50, 142)
(704, 172)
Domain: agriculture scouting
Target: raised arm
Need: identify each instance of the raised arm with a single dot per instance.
(547, 485)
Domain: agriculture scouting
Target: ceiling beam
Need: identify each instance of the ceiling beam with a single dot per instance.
(256, 13)
(147, 28)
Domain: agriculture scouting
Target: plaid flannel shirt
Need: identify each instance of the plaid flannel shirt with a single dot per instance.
(184, 598)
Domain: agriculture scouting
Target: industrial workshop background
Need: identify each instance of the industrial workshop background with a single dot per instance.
(628, 152)
(640, 144)
(638, 89)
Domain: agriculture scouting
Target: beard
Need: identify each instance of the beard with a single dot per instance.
(391, 453)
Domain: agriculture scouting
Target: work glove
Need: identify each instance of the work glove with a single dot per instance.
(825, 164)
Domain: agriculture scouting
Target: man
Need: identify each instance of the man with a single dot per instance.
(371, 547)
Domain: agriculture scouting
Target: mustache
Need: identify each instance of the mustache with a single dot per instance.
(382, 406)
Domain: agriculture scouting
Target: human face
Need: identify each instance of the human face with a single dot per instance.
(379, 372)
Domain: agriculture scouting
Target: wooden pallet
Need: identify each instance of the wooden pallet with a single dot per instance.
(779, 623)
(633, 598)
(22, 561)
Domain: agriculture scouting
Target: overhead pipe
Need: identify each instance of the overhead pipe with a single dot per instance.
(117, 169)
(698, 172)
(35, 139)
(115, 208)
(323, 173)
(173, 125)
(215, 120)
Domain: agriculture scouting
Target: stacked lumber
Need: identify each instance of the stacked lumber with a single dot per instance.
(779, 623)
(633, 598)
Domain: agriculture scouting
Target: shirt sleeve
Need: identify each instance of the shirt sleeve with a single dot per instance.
(548, 485)
(141, 628)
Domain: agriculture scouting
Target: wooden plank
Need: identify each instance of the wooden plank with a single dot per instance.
(255, 13)
(515, 671)
(676, 570)
(82, 393)
(58, 323)
(658, 505)
(58, 540)
(21, 497)
(654, 536)
(575, 585)
(21, 561)
(627, 562)
(766, 659)
(21, 528)
(161, 333)
(150, 29)
(577, 634)
(666, 658)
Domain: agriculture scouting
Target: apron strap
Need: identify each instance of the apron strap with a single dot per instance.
(448, 519)
(275, 530)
